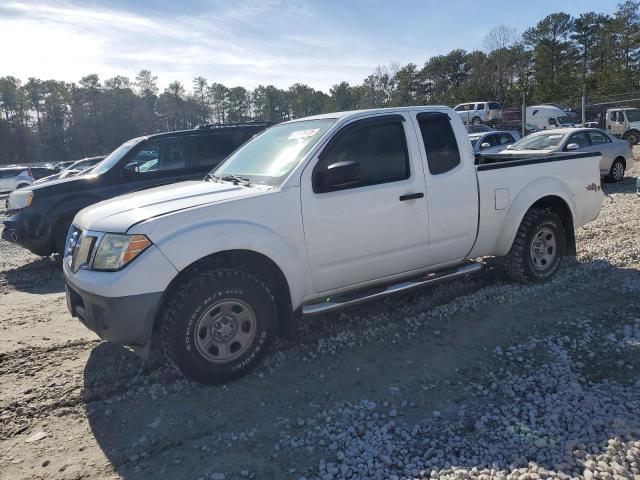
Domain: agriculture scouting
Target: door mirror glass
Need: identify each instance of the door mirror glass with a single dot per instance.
(339, 175)
(131, 169)
(573, 146)
(485, 145)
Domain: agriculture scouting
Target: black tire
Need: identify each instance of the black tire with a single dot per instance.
(616, 172)
(60, 236)
(633, 137)
(476, 121)
(519, 263)
(184, 331)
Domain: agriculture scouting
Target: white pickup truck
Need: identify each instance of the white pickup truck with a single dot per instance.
(311, 216)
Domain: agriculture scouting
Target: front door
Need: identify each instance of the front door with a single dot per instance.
(375, 226)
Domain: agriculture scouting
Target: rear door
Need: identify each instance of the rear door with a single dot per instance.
(377, 226)
(452, 189)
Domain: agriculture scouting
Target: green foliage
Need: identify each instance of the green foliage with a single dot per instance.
(551, 62)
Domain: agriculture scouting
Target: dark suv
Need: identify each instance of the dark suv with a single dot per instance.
(41, 214)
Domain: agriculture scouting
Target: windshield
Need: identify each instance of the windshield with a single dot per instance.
(564, 121)
(633, 115)
(547, 141)
(272, 155)
(474, 142)
(115, 156)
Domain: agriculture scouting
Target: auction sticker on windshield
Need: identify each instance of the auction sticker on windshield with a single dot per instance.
(310, 132)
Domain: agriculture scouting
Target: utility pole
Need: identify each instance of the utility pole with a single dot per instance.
(584, 103)
(524, 113)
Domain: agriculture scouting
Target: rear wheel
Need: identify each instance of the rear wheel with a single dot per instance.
(633, 137)
(616, 172)
(218, 325)
(537, 249)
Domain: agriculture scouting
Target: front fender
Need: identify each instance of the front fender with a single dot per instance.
(530, 194)
(186, 246)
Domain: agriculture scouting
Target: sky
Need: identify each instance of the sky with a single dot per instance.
(250, 42)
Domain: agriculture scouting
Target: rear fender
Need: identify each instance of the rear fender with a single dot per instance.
(534, 191)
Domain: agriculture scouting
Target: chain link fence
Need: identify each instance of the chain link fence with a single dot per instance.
(619, 114)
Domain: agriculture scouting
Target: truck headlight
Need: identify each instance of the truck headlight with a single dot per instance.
(116, 250)
(19, 199)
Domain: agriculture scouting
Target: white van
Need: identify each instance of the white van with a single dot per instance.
(548, 116)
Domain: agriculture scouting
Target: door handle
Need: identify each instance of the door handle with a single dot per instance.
(411, 196)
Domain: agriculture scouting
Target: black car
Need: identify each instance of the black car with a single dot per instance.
(40, 219)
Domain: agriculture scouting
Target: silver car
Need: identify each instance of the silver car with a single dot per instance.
(492, 141)
(617, 154)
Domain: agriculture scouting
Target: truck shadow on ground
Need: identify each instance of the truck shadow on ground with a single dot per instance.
(42, 275)
(626, 185)
(152, 424)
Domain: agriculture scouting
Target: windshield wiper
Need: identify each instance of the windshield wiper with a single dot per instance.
(236, 179)
(211, 176)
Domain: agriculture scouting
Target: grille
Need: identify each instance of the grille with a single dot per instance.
(80, 248)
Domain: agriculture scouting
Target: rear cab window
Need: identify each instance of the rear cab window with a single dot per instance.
(440, 144)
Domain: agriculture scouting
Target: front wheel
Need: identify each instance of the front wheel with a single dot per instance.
(616, 172)
(476, 121)
(537, 249)
(218, 325)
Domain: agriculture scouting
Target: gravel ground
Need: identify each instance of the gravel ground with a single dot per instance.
(480, 378)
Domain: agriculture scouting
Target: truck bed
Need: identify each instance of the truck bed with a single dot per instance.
(510, 183)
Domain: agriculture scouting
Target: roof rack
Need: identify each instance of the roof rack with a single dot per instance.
(250, 123)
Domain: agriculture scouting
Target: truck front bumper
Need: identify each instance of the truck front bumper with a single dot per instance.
(121, 306)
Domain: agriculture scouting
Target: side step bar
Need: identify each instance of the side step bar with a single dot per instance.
(351, 299)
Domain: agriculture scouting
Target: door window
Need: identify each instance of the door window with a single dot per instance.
(598, 138)
(161, 155)
(440, 142)
(380, 148)
(210, 150)
(505, 138)
(581, 139)
(480, 106)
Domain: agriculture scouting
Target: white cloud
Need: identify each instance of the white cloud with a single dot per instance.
(251, 43)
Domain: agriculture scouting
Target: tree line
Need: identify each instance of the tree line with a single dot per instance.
(557, 59)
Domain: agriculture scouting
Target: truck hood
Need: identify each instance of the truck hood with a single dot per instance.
(118, 214)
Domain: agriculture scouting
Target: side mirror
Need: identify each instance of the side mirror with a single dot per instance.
(485, 145)
(572, 146)
(338, 175)
(509, 147)
(131, 169)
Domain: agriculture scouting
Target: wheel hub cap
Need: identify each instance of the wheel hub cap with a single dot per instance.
(543, 249)
(222, 330)
(225, 330)
(618, 171)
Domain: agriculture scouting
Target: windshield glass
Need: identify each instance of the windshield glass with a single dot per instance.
(547, 141)
(115, 156)
(272, 155)
(474, 142)
(633, 115)
(564, 120)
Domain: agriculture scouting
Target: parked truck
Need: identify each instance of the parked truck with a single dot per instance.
(624, 123)
(311, 216)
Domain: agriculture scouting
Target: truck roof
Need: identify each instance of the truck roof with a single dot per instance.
(357, 113)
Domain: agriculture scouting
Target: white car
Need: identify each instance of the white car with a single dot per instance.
(616, 155)
(311, 216)
(479, 112)
(12, 178)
